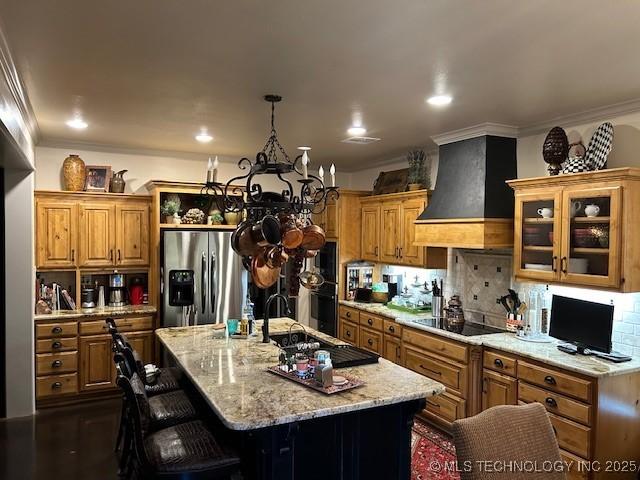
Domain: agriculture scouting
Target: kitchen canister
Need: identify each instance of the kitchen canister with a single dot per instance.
(74, 173)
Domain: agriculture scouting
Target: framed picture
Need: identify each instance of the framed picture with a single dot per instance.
(98, 178)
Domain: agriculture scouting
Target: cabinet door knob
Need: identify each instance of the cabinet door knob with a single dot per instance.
(348, 314)
(370, 342)
(498, 363)
(551, 402)
(391, 329)
(56, 364)
(56, 345)
(56, 385)
(549, 380)
(348, 333)
(56, 330)
(370, 321)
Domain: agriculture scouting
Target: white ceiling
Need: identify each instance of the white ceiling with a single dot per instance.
(150, 73)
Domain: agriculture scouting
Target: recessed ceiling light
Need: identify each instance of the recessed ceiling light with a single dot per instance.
(304, 149)
(77, 123)
(356, 131)
(203, 136)
(439, 100)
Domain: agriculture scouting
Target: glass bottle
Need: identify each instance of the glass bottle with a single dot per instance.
(533, 314)
(545, 314)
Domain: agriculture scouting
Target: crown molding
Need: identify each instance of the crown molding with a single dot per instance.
(16, 88)
(495, 129)
(69, 144)
(588, 116)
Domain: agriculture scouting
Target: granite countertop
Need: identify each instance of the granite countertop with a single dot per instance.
(543, 352)
(549, 354)
(231, 374)
(97, 312)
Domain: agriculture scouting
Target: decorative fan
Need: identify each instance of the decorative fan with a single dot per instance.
(599, 147)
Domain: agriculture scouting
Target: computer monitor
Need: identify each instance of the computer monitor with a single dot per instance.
(585, 324)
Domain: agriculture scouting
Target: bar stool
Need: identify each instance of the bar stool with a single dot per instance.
(187, 449)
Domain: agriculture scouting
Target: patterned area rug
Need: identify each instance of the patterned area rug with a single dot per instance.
(433, 454)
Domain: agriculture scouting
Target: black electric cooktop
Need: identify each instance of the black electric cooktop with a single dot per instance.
(470, 329)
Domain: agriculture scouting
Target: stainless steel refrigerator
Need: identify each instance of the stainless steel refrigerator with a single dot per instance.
(203, 280)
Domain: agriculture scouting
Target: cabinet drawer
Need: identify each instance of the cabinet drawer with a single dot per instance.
(447, 407)
(51, 345)
(371, 340)
(349, 332)
(371, 321)
(435, 344)
(349, 313)
(392, 328)
(454, 377)
(576, 463)
(56, 385)
(555, 403)
(53, 363)
(128, 324)
(55, 330)
(555, 380)
(499, 362)
(572, 436)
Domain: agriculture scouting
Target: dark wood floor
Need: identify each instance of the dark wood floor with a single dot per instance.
(74, 442)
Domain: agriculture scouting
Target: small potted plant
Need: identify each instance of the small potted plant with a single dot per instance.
(170, 211)
(418, 176)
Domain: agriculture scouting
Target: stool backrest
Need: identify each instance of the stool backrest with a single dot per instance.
(138, 408)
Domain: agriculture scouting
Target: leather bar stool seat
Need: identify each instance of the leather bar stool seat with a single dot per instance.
(187, 448)
(168, 380)
(168, 409)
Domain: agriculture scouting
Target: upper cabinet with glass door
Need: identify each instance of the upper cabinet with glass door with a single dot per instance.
(581, 229)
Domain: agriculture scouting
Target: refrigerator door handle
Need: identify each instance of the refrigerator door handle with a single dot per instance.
(203, 285)
(212, 280)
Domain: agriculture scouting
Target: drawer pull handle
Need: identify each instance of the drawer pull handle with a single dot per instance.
(369, 321)
(348, 314)
(370, 342)
(433, 404)
(56, 345)
(498, 363)
(551, 402)
(56, 364)
(435, 372)
(391, 329)
(56, 330)
(348, 333)
(56, 385)
(549, 380)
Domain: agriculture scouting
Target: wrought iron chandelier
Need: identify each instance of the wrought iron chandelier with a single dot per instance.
(245, 193)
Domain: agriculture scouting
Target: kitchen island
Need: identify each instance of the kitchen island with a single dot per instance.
(290, 431)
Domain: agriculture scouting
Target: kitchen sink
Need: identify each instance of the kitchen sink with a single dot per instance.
(342, 356)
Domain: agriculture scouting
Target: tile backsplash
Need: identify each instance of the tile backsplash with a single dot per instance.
(480, 277)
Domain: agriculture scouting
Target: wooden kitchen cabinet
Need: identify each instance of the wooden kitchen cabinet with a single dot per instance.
(142, 342)
(388, 231)
(593, 227)
(328, 220)
(498, 389)
(392, 349)
(132, 234)
(97, 234)
(56, 234)
(97, 371)
(371, 232)
(88, 230)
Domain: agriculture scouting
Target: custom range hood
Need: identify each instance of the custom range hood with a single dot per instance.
(471, 206)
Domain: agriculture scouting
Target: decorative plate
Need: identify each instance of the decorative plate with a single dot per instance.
(599, 147)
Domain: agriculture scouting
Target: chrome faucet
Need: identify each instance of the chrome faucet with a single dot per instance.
(265, 325)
